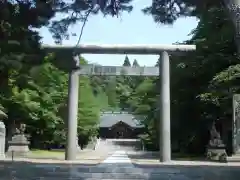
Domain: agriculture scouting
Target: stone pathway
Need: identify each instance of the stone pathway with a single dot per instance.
(117, 158)
(117, 166)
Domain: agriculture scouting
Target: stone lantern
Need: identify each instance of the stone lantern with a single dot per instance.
(19, 145)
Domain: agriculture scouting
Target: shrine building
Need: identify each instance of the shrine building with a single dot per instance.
(119, 125)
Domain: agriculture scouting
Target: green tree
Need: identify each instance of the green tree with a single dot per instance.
(135, 63)
(50, 87)
(113, 100)
(42, 104)
(201, 93)
(89, 112)
(165, 11)
(143, 103)
(126, 61)
(19, 52)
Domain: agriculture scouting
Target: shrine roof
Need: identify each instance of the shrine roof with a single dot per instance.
(110, 119)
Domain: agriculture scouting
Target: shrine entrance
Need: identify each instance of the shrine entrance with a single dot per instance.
(121, 131)
(163, 71)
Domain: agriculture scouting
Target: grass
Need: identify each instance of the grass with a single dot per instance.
(59, 154)
(45, 154)
(38, 152)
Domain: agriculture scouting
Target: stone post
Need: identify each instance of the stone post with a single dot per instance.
(164, 129)
(73, 88)
(2, 140)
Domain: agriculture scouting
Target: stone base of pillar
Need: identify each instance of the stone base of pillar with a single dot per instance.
(2, 156)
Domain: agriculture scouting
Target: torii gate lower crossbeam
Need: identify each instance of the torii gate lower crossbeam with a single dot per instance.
(164, 73)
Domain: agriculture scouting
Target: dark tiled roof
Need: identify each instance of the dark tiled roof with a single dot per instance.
(110, 119)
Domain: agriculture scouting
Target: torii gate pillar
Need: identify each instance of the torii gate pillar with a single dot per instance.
(72, 121)
(164, 125)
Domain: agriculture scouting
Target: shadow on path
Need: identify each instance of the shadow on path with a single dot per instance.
(191, 172)
(20, 170)
(155, 156)
(64, 171)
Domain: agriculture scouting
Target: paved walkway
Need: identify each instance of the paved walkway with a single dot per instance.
(117, 158)
(117, 166)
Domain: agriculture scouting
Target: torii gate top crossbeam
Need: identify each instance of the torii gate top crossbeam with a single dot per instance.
(123, 49)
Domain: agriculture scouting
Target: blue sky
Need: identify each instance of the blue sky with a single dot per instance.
(132, 28)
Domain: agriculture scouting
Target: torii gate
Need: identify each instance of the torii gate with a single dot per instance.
(163, 71)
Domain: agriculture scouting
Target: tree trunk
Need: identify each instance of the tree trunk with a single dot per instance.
(233, 8)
